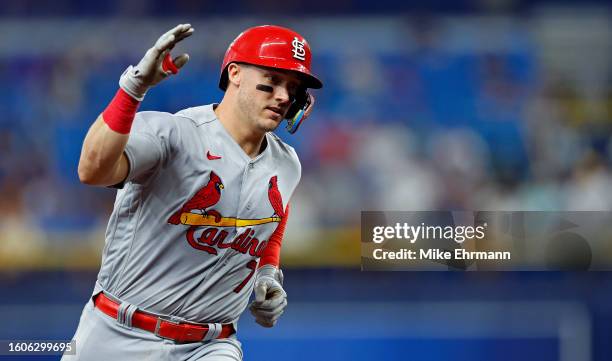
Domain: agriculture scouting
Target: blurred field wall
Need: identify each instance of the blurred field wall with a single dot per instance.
(440, 111)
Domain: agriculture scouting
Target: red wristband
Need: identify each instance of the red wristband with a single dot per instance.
(120, 113)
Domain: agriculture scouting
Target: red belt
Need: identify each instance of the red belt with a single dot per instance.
(178, 331)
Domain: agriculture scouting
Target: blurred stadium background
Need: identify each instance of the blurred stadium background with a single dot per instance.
(470, 104)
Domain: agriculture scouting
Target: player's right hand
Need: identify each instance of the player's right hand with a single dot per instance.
(156, 64)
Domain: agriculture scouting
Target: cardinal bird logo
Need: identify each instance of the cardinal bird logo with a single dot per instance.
(274, 195)
(206, 197)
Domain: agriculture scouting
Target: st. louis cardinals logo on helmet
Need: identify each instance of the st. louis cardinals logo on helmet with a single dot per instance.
(298, 49)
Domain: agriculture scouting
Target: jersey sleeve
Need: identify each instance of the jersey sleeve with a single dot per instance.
(153, 138)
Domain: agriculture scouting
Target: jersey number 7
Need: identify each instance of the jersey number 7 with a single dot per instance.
(252, 265)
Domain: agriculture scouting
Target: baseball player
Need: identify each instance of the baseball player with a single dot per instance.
(202, 202)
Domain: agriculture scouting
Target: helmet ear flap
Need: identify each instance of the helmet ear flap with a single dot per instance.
(295, 114)
(223, 80)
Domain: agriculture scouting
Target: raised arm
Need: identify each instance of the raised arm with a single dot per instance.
(103, 161)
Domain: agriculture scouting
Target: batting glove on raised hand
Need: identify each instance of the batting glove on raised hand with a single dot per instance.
(270, 298)
(156, 64)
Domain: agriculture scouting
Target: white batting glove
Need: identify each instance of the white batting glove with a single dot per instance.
(136, 80)
(270, 297)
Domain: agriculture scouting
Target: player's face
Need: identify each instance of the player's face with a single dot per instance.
(266, 94)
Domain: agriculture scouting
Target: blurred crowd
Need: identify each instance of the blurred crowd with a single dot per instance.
(454, 113)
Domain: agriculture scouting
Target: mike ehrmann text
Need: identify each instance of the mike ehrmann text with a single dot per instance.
(439, 254)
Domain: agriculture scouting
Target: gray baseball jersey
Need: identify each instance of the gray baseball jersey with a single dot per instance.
(194, 216)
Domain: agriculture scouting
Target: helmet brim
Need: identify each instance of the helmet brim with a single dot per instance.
(308, 80)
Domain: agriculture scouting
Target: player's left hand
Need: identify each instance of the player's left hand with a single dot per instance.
(270, 297)
(157, 64)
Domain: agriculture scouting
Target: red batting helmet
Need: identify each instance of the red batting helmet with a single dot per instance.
(273, 47)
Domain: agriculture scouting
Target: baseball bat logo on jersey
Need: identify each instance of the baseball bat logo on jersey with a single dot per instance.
(210, 195)
(196, 213)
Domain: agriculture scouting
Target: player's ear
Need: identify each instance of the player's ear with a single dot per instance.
(234, 73)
